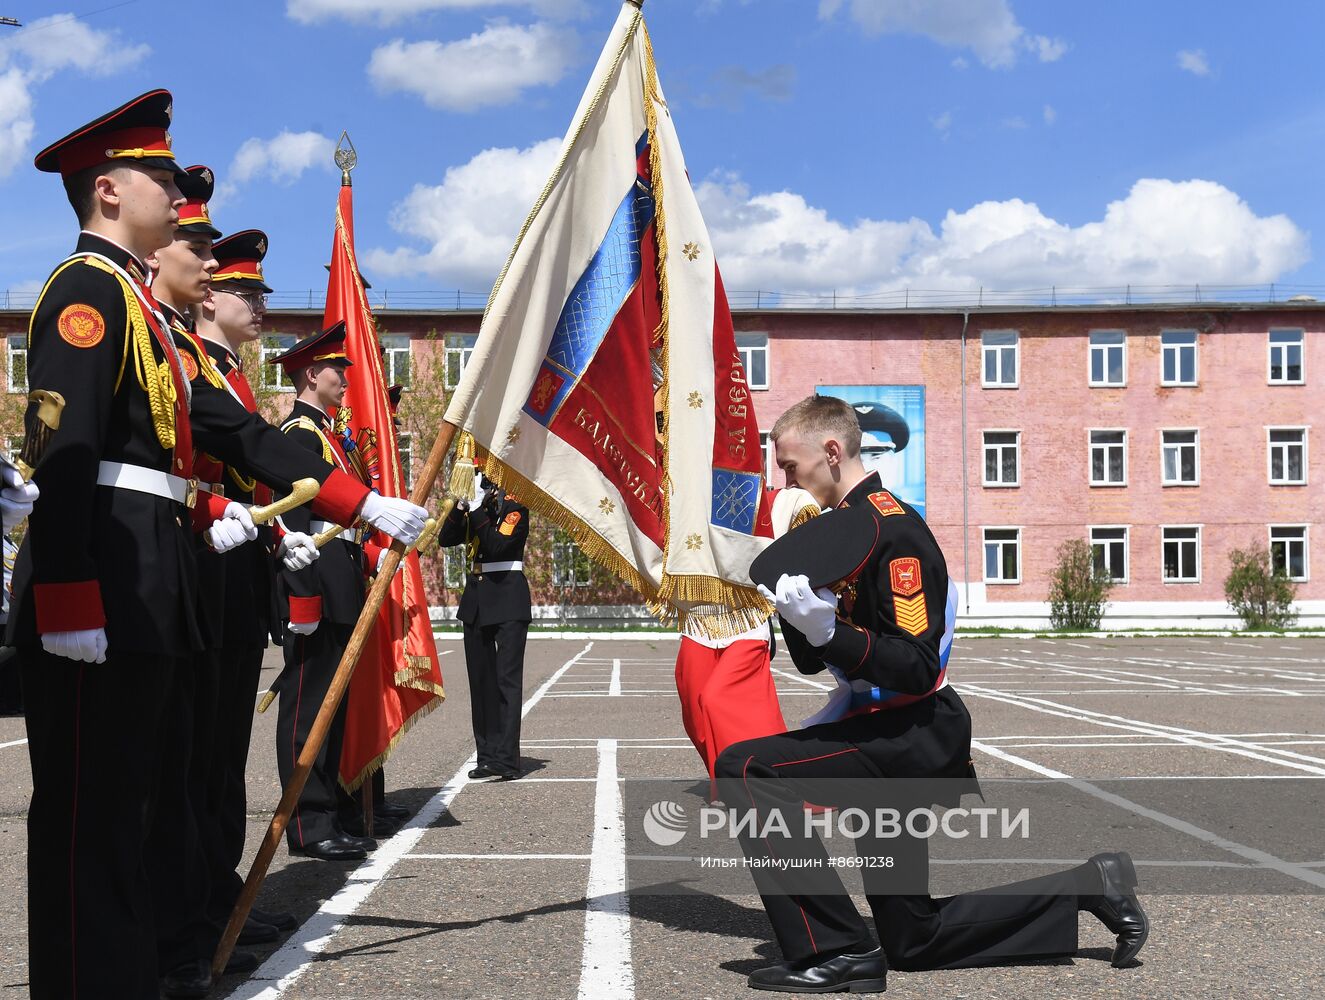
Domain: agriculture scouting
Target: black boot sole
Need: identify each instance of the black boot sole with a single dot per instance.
(855, 986)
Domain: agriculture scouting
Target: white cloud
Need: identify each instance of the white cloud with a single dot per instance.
(282, 159)
(1162, 232)
(389, 11)
(1194, 61)
(942, 124)
(489, 68)
(1050, 115)
(37, 52)
(470, 220)
(986, 27)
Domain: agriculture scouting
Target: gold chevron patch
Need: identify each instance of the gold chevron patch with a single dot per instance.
(911, 614)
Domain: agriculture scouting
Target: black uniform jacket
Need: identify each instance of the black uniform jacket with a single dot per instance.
(495, 532)
(888, 630)
(337, 577)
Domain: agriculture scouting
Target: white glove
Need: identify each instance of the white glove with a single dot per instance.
(397, 517)
(233, 529)
(16, 498)
(88, 645)
(811, 612)
(298, 551)
(302, 628)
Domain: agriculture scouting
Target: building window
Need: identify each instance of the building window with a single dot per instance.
(1108, 358)
(1108, 543)
(274, 376)
(999, 348)
(459, 348)
(1108, 458)
(1288, 550)
(570, 566)
(405, 448)
(1180, 458)
(396, 359)
(753, 348)
(1178, 351)
(766, 450)
(1002, 458)
(1286, 357)
(17, 362)
(1002, 555)
(1288, 456)
(1182, 555)
(455, 564)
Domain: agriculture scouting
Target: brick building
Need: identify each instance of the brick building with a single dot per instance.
(1163, 435)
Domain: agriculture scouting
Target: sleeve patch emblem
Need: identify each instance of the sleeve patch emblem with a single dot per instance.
(911, 614)
(508, 523)
(885, 503)
(905, 575)
(81, 326)
(190, 366)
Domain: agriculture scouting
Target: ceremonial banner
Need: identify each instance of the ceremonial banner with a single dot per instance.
(398, 679)
(605, 388)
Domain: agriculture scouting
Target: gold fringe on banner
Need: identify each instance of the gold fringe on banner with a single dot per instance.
(376, 763)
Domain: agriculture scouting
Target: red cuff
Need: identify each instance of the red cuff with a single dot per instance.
(374, 552)
(68, 607)
(209, 509)
(305, 609)
(340, 498)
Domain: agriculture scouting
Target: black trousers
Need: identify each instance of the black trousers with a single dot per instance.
(237, 694)
(310, 664)
(94, 740)
(809, 908)
(494, 660)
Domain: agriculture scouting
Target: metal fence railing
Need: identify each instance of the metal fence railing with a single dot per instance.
(979, 297)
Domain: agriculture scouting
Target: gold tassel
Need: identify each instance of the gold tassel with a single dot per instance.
(462, 469)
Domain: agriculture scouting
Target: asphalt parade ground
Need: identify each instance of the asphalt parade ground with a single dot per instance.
(1204, 757)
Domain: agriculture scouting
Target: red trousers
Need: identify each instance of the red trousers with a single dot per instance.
(727, 695)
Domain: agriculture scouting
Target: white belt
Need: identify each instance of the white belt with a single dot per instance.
(317, 527)
(144, 480)
(501, 567)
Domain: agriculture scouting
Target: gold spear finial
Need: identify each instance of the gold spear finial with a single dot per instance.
(346, 158)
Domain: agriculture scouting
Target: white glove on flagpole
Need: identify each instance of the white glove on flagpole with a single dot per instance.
(87, 645)
(298, 551)
(811, 612)
(397, 517)
(233, 529)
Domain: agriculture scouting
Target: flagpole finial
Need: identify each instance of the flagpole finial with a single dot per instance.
(637, 4)
(346, 158)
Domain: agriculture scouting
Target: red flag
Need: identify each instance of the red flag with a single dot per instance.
(398, 679)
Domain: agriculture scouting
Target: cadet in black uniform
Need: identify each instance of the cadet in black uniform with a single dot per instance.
(322, 603)
(495, 609)
(884, 628)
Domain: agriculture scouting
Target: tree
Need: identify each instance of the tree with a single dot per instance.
(1078, 589)
(1258, 591)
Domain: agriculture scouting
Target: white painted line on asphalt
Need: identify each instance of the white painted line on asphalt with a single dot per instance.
(13, 743)
(605, 968)
(803, 679)
(614, 685)
(1253, 854)
(311, 938)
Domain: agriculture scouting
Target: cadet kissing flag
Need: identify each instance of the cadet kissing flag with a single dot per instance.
(398, 679)
(605, 388)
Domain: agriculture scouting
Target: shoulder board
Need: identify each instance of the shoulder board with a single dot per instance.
(98, 263)
(885, 503)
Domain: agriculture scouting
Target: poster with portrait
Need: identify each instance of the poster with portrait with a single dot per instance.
(892, 441)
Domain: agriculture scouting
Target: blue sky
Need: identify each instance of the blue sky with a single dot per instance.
(858, 145)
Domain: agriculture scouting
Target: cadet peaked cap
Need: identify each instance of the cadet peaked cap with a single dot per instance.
(135, 132)
(875, 417)
(329, 345)
(829, 549)
(194, 217)
(239, 260)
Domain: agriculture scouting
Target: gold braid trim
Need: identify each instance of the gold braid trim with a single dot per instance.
(304, 423)
(247, 485)
(376, 763)
(806, 513)
(154, 379)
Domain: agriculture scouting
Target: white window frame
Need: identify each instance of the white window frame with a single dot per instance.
(1196, 443)
(455, 566)
(1090, 457)
(1306, 548)
(394, 345)
(1105, 349)
(461, 350)
(16, 345)
(1164, 528)
(1126, 543)
(986, 447)
(1000, 542)
(1272, 348)
(405, 448)
(1164, 349)
(274, 377)
(1269, 456)
(997, 350)
(766, 450)
(747, 353)
(564, 548)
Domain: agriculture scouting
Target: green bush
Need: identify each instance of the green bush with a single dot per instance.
(1261, 594)
(1078, 589)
